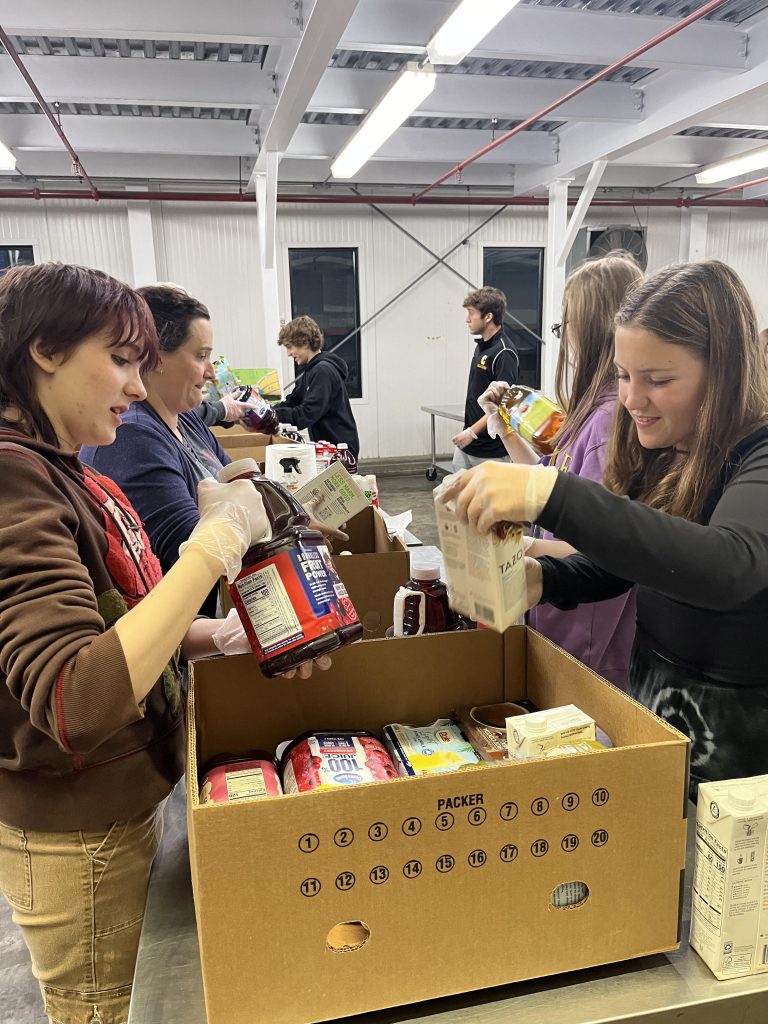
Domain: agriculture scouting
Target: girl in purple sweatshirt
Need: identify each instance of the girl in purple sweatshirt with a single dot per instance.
(600, 635)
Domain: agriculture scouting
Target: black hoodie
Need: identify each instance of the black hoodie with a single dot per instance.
(320, 402)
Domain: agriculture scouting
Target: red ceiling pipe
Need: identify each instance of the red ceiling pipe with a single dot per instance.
(732, 188)
(672, 30)
(76, 165)
(391, 200)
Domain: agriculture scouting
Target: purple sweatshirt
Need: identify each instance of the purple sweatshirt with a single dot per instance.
(600, 635)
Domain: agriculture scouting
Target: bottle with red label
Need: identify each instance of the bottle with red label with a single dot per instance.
(345, 457)
(289, 597)
(421, 606)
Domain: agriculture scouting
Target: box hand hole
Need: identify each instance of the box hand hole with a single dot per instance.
(347, 937)
(570, 895)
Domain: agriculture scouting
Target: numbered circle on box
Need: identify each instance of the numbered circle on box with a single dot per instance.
(377, 832)
(599, 837)
(344, 837)
(508, 853)
(600, 797)
(477, 858)
(569, 843)
(345, 881)
(309, 842)
(570, 801)
(444, 821)
(379, 874)
(539, 847)
(412, 868)
(477, 816)
(508, 811)
(310, 887)
(412, 826)
(540, 806)
(445, 863)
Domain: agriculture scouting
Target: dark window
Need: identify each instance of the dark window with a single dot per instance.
(519, 273)
(12, 255)
(324, 286)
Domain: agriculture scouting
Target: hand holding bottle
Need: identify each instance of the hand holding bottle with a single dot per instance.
(232, 517)
(489, 403)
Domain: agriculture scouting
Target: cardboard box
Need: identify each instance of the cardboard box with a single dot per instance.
(729, 913)
(378, 566)
(314, 906)
(240, 443)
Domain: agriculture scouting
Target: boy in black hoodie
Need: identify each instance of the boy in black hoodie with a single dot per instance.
(320, 400)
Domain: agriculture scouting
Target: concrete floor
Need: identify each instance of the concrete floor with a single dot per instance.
(20, 1000)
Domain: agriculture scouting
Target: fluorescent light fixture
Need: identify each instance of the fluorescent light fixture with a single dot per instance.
(411, 88)
(754, 160)
(7, 159)
(470, 22)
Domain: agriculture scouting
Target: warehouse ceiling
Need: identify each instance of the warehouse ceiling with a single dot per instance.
(195, 94)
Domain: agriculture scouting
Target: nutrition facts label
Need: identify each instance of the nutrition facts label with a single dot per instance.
(269, 606)
(709, 878)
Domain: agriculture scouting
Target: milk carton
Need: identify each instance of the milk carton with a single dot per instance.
(485, 573)
(729, 913)
(542, 732)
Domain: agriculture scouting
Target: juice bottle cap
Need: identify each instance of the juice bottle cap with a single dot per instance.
(742, 799)
(425, 572)
(341, 446)
(227, 473)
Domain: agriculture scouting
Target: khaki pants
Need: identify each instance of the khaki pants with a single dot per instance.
(79, 898)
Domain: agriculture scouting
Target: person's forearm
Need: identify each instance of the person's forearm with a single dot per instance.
(519, 450)
(150, 633)
(550, 548)
(480, 425)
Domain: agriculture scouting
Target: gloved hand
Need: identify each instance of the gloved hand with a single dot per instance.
(464, 437)
(489, 403)
(497, 492)
(330, 533)
(230, 637)
(234, 410)
(232, 517)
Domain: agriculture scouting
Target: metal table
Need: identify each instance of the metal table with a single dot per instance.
(446, 412)
(653, 990)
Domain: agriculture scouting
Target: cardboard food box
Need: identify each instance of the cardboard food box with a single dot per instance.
(378, 566)
(319, 905)
(240, 443)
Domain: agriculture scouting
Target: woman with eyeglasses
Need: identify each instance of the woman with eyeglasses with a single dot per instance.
(599, 635)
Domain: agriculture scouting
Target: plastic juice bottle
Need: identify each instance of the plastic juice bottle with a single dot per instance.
(345, 457)
(288, 430)
(421, 606)
(324, 453)
(260, 415)
(535, 418)
(289, 597)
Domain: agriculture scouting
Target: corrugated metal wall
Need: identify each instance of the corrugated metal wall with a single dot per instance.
(417, 351)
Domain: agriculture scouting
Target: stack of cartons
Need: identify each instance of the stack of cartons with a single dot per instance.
(320, 905)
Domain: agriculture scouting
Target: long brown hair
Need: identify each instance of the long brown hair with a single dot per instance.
(61, 305)
(592, 296)
(706, 308)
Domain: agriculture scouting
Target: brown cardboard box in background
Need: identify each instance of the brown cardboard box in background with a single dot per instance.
(378, 565)
(441, 884)
(240, 443)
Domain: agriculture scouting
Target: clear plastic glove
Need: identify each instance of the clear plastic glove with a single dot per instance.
(498, 492)
(230, 637)
(489, 403)
(464, 437)
(233, 409)
(232, 517)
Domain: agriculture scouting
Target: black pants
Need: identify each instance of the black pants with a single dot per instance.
(727, 725)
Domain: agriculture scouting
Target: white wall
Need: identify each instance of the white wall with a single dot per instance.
(416, 352)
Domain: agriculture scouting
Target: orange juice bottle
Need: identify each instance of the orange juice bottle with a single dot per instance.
(535, 418)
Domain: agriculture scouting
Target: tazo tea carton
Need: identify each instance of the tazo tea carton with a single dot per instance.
(485, 572)
(541, 732)
(729, 913)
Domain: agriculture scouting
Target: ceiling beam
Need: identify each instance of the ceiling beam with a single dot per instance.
(321, 35)
(228, 20)
(348, 91)
(144, 167)
(552, 34)
(315, 141)
(673, 101)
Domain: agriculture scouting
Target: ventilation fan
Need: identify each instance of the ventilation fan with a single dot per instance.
(627, 239)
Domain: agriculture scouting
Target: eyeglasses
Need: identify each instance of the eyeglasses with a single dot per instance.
(556, 330)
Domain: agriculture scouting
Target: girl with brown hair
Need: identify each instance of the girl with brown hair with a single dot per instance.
(688, 517)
